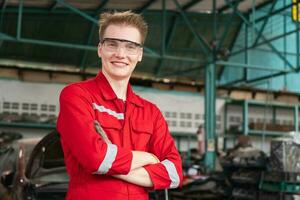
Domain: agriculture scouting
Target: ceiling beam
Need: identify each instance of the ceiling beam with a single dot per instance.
(77, 11)
(241, 15)
(190, 4)
(145, 6)
(101, 6)
(199, 38)
(53, 6)
(264, 23)
(227, 6)
(92, 31)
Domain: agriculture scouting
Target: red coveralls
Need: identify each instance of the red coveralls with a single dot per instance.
(134, 125)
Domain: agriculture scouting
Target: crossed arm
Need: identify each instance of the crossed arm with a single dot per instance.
(138, 174)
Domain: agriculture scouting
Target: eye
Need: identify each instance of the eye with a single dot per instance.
(131, 46)
(111, 44)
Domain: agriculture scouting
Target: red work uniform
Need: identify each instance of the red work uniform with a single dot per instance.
(132, 125)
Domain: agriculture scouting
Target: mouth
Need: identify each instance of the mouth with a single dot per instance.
(119, 63)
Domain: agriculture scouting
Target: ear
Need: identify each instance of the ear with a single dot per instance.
(140, 55)
(99, 50)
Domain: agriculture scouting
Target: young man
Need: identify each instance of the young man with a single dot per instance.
(139, 153)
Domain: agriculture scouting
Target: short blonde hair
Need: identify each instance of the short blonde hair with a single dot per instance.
(126, 18)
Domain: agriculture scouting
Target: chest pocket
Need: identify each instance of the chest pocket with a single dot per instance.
(109, 123)
(111, 126)
(141, 134)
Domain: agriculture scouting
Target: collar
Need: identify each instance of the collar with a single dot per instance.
(109, 94)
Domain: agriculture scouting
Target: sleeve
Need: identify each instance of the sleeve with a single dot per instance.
(76, 126)
(167, 173)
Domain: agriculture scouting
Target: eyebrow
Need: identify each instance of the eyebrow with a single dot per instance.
(122, 40)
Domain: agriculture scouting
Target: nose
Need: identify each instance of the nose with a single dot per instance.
(120, 51)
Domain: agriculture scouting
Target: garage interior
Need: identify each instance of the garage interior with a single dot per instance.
(230, 67)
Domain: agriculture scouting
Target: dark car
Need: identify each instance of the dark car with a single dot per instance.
(34, 169)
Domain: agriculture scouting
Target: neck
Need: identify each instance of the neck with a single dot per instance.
(119, 86)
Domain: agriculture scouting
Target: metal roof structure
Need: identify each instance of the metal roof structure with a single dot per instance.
(62, 35)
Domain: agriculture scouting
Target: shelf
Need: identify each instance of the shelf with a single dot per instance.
(27, 125)
(246, 105)
(262, 103)
(280, 187)
(268, 133)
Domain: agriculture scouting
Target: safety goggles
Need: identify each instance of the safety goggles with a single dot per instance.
(113, 45)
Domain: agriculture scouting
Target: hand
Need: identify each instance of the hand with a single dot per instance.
(142, 158)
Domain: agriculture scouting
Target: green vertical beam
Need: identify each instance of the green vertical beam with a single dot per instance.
(210, 113)
(19, 25)
(284, 45)
(210, 102)
(245, 118)
(245, 71)
(296, 118)
(225, 125)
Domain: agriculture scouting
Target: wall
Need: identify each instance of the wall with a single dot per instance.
(263, 55)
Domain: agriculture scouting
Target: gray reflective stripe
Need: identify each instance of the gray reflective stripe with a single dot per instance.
(108, 160)
(109, 111)
(173, 175)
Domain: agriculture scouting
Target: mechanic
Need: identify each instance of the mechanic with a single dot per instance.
(141, 154)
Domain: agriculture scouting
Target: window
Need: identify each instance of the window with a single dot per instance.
(25, 106)
(6, 105)
(33, 106)
(52, 108)
(197, 116)
(188, 115)
(174, 123)
(188, 124)
(174, 114)
(15, 106)
(182, 124)
(44, 107)
(182, 115)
